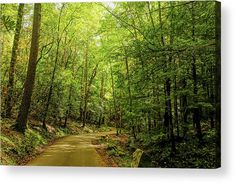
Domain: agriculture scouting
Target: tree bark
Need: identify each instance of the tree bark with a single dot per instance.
(87, 89)
(129, 90)
(101, 100)
(176, 108)
(53, 73)
(10, 85)
(184, 110)
(168, 87)
(196, 110)
(114, 97)
(68, 107)
(172, 137)
(21, 121)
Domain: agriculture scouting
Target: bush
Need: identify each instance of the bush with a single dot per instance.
(32, 140)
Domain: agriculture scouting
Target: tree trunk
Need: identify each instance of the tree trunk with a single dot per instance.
(21, 121)
(196, 110)
(84, 116)
(168, 93)
(87, 87)
(114, 96)
(81, 96)
(129, 90)
(53, 73)
(68, 107)
(101, 100)
(184, 110)
(166, 114)
(10, 85)
(176, 109)
(171, 130)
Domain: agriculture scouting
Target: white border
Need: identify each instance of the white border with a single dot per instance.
(123, 175)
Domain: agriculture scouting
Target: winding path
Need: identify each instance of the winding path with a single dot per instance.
(74, 150)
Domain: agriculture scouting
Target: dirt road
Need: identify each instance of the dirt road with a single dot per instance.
(74, 150)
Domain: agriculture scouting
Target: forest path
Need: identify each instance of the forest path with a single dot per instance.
(73, 150)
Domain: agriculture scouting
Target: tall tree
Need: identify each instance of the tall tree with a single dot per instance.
(10, 85)
(101, 103)
(85, 92)
(21, 121)
(114, 95)
(58, 41)
(196, 109)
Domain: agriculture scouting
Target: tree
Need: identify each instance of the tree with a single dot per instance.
(58, 41)
(21, 121)
(10, 86)
(196, 109)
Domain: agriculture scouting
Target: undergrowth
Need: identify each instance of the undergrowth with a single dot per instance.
(118, 150)
(189, 153)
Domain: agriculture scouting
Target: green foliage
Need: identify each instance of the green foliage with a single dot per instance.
(32, 140)
(105, 129)
(139, 66)
(188, 152)
(8, 22)
(6, 140)
(120, 154)
(61, 132)
(114, 149)
(16, 147)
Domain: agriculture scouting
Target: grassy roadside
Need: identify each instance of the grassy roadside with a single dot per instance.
(117, 149)
(18, 149)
